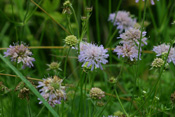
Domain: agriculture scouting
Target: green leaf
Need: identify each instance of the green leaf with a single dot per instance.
(30, 86)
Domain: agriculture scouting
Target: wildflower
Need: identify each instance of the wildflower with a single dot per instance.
(132, 37)
(127, 51)
(20, 53)
(94, 55)
(54, 66)
(162, 50)
(100, 103)
(71, 40)
(112, 80)
(52, 90)
(96, 93)
(158, 62)
(119, 114)
(152, 1)
(23, 90)
(122, 20)
(3, 88)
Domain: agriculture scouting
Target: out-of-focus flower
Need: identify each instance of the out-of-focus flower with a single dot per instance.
(23, 91)
(127, 51)
(122, 20)
(96, 93)
(71, 40)
(119, 114)
(54, 66)
(94, 55)
(173, 97)
(20, 53)
(3, 88)
(152, 1)
(158, 62)
(162, 50)
(112, 80)
(132, 37)
(52, 90)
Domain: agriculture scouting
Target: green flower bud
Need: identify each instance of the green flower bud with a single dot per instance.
(71, 40)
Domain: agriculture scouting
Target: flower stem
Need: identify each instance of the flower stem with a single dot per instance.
(65, 64)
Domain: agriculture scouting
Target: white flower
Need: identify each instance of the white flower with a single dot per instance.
(122, 20)
(94, 55)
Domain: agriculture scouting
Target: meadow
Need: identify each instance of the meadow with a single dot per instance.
(87, 58)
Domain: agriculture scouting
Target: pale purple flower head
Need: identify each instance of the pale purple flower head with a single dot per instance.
(132, 37)
(152, 1)
(163, 49)
(52, 91)
(127, 51)
(20, 53)
(93, 55)
(122, 20)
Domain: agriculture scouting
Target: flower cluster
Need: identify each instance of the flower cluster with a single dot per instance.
(122, 20)
(132, 37)
(96, 93)
(93, 55)
(52, 90)
(157, 63)
(152, 1)
(71, 40)
(20, 53)
(162, 51)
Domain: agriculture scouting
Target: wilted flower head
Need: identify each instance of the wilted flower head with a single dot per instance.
(158, 62)
(152, 1)
(54, 66)
(96, 93)
(94, 55)
(127, 51)
(162, 49)
(71, 40)
(3, 88)
(132, 37)
(20, 53)
(122, 20)
(52, 91)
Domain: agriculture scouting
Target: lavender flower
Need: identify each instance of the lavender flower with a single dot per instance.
(152, 1)
(52, 91)
(94, 55)
(20, 53)
(162, 49)
(127, 51)
(132, 37)
(122, 20)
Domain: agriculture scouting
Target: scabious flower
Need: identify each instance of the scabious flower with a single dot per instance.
(54, 66)
(96, 93)
(71, 40)
(127, 51)
(152, 1)
(157, 63)
(132, 37)
(122, 20)
(20, 54)
(162, 49)
(52, 90)
(94, 55)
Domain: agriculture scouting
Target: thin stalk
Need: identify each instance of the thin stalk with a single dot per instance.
(1, 103)
(97, 21)
(28, 107)
(76, 20)
(50, 17)
(110, 39)
(121, 104)
(65, 64)
(69, 24)
(40, 111)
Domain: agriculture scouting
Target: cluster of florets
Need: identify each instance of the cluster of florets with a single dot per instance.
(157, 63)
(96, 93)
(152, 1)
(71, 40)
(54, 66)
(162, 51)
(20, 54)
(93, 55)
(52, 90)
(122, 20)
(132, 36)
(130, 40)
